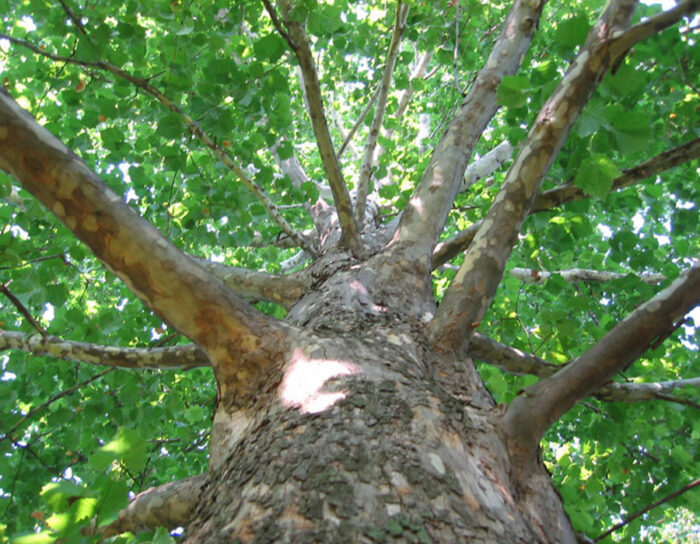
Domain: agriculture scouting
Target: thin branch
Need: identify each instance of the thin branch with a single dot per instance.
(639, 392)
(509, 359)
(181, 357)
(192, 125)
(527, 275)
(298, 41)
(358, 122)
(531, 413)
(646, 509)
(424, 217)
(368, 158)
(651, 167)
(474, 286)
(73, 17)
(22, 309)
(7, 435)
(569, 193)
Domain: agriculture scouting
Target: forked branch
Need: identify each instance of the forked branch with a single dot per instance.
(170, 283)
(538, 406)
(474, 286)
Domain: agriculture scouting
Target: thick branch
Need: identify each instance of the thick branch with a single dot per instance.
(510, 359)
(474, 286)
(170, 283)
(192, 125)
(528, 275)
(298, 41)
(515, 361)
(568, 192)
(284, 289)
(169, 505)
(486, 165)
(425, 215)
(531, 413)
(653, 25)
(663, 161)
(184, 357)
(380, 108)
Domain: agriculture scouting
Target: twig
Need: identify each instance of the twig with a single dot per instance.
(22, 309)
(644, 510)
(73, 17)
(298, 41)
(8, 434)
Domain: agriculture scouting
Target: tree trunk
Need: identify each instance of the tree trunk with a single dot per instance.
(369, 436)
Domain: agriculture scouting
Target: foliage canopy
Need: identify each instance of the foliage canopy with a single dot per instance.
(77, 431)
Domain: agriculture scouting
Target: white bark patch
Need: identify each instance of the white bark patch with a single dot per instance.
(436, 463)
(227, 430)
(393, 509)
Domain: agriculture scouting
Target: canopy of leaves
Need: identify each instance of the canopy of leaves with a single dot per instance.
(66, 458)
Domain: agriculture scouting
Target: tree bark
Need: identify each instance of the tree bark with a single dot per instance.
(369, 435)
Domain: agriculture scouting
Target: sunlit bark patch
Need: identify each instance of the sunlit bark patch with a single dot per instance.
(302, 385)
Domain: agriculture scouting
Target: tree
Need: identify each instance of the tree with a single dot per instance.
(425, 252)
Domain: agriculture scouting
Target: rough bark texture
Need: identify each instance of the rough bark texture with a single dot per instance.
(368, 435)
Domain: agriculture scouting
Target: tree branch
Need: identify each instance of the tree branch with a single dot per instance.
(169, 505)
(473, 287)
(380, 108)
(532, 412)
(625, 40)
(425, 215)
(568, 193)
(298, 41)
(183, 357)
(283, 289)
(194, 128)
(486, 165)
(644, 510)
(17, 303)
(238, 339)
(9, 434)
(515, 361)
(527, 275)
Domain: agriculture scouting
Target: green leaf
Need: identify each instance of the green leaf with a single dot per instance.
(270, 47)
(170, 126)
(514, 91)
(571, 32)
(595, 175)
(127, 446)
